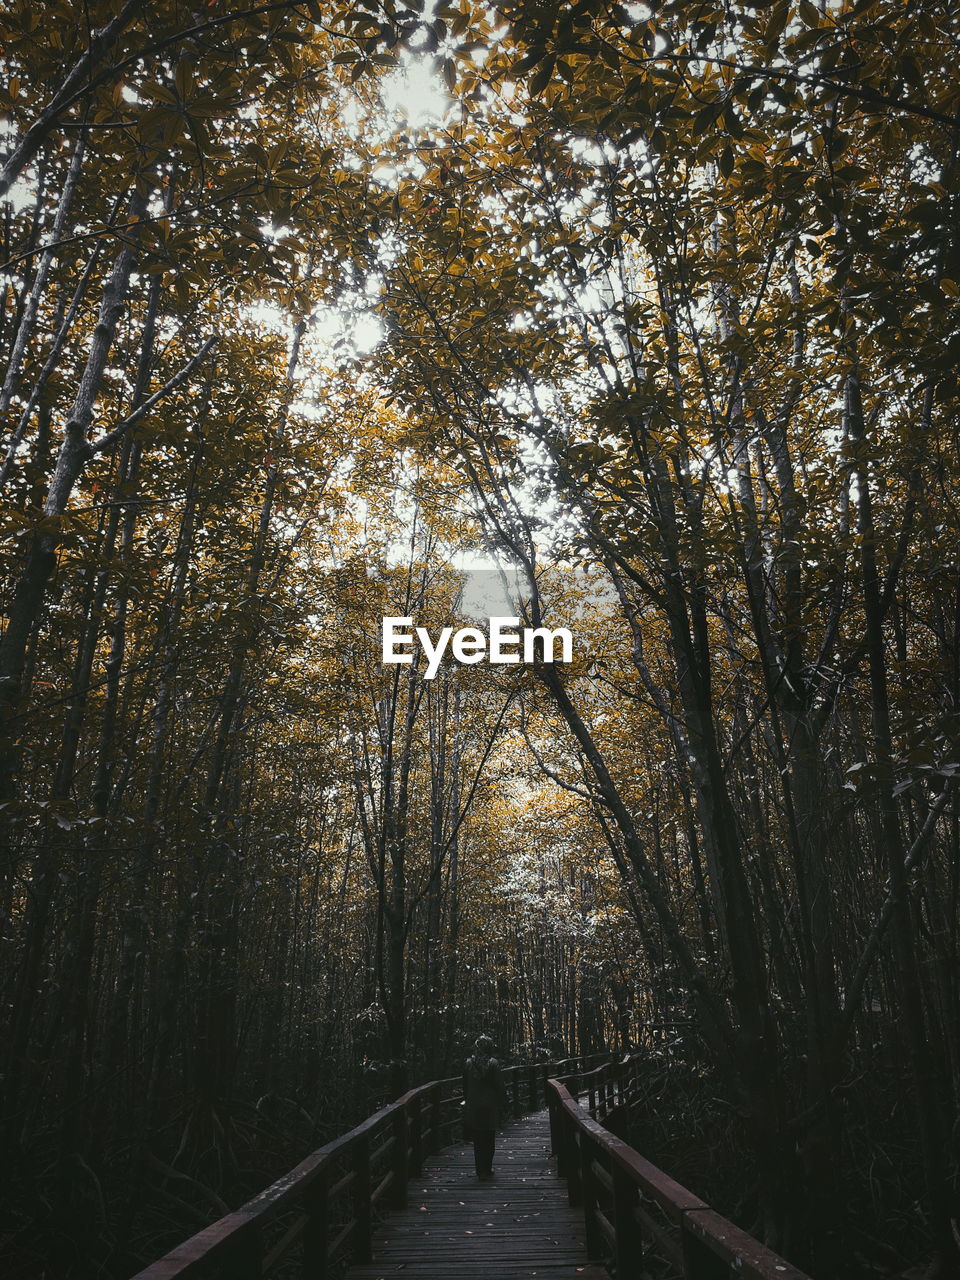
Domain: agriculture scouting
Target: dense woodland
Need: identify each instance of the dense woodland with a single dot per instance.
(302, 304)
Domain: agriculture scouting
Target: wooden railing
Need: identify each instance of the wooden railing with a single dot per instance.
(323, 1211)
(633, 1212)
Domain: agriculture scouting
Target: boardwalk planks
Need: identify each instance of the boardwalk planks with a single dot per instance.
(515, 1226)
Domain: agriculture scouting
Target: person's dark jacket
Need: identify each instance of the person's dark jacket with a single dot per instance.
(484, 1092)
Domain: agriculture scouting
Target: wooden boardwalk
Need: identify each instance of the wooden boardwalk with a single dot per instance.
(513, 1226)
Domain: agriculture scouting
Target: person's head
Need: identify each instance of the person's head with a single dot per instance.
(483, 1045)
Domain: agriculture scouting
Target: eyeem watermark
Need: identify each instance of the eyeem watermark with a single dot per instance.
(503, 643)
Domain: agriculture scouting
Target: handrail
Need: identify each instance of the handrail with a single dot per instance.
(325, 1206)
(631, 1208)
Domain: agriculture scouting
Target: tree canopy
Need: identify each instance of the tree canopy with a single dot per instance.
(309, 310)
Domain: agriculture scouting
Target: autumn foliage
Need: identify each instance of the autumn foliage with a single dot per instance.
(657, 303)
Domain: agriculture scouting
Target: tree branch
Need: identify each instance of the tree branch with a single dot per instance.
(110, 438)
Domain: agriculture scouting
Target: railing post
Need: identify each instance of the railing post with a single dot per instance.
(699, 1262)
(570, 1146)
(553, 1108)
(532, 1086)
(588, 1191)
(573, 1160)
(435, 1108)
(361, 1200)
(399, 1197)
(631, 1083)
(629, 1250)
(416, 1134)
(316, 1237)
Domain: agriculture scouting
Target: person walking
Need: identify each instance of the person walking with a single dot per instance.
(484, 1096)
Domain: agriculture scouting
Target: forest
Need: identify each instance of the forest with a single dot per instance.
(313, 314)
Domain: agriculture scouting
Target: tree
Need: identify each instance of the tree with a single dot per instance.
(666, 335)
